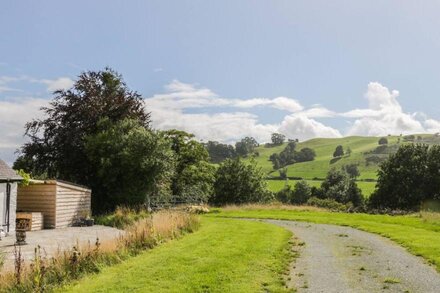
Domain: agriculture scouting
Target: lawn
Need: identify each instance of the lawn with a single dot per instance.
(421, 236)
(224, 255)
(276, 185)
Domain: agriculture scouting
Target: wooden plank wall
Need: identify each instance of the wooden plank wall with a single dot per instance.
(72, 203)
(38, 198)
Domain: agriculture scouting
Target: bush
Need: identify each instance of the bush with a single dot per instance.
(408, 178)
(383, 141)
(237, 182)
(327, 204)
(301, 193)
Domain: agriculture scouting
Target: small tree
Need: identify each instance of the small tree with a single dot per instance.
(348, 151)
(237, 182)
(283, 173)
(246, 146)
(383, 141)
(278, 138)
(352, 170)
(339, 151)
(301, 193)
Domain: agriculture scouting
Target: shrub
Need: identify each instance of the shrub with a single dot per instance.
(301, 193)
(285, 195)
(408, 178)
(237, 182)
(383, 141)
(327, 204)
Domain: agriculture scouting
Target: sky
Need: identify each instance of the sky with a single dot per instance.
(228, 69)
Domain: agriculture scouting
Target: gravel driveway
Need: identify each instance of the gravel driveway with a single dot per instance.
(342, 259)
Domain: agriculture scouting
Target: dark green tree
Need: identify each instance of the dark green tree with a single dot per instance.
(133, 164)
(56, 147)
(278, 138)
(408, 178)
(238, 182)
(246, 146)
(219, 152)
(193, 176)
(383, 141)
(339, 152)
(352, 170)
(301, 193)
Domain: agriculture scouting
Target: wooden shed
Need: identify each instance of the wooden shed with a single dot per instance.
(61, 203)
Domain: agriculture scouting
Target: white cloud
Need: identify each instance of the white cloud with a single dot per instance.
(169, 110)
(14, 114)
(383, 116)
(62, 83)
(302, 127)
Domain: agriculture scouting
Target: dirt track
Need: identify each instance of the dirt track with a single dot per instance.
(343, 259)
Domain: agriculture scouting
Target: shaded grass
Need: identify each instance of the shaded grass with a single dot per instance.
(419, 236)
(224, 255)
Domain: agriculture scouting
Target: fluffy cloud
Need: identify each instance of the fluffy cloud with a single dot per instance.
(14, 114)
(170, 110)
(384, 115)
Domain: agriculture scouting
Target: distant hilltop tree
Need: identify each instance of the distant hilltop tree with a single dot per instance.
(278, 138)
(383, 141)
(339, 152)
(246, 146)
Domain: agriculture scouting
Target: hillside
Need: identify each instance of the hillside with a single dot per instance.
(363, 149)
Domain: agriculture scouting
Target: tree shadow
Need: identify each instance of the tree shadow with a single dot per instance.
(334, 160)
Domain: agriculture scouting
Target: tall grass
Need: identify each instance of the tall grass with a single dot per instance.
(45, 274)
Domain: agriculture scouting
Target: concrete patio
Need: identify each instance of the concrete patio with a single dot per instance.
(55, 240)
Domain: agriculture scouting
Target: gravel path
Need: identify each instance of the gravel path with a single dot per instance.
(342, 259)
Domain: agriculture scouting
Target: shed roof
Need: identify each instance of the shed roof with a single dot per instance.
(7, 173)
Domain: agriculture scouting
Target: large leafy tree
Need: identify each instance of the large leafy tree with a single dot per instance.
(408, 177)
(194, 175)
(237, 182)
(133, 164)
(219, 152)
(56, 146)
(246, 146)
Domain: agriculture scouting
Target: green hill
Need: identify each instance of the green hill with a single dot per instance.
(365, 152)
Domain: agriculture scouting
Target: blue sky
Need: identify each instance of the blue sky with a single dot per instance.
(219, 68)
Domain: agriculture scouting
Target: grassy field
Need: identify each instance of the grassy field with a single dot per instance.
(223, 256)
(276, 185)
(420, 235)
(324, 148)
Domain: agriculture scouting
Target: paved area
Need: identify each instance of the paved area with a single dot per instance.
(342, 259)
(55, 240)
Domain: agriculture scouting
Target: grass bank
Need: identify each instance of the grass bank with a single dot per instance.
(47, 274)
(419, 234)
(224, 255)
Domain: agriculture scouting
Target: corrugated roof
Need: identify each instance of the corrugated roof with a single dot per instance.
(7, 173)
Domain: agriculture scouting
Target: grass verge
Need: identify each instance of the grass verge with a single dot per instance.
(420, 235)
(224, 255)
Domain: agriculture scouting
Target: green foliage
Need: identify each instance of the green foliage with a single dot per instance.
(246, 146)
(194, 176)
(277, 138)
(408, 178)
(301, 193)
(131, 163)
(339, 187)
(218, 152)
(283, 173)
(26, 177)
(290, 156)
(56, 147)
(122, 217)
(352, 170)
(238, 182)
(383, 141)
(327, 203)
(339, 151)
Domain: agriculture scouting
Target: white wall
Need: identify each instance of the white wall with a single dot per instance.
(13, 206)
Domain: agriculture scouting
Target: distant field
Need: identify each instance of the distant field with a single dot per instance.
(276, 185)
(324, 148)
